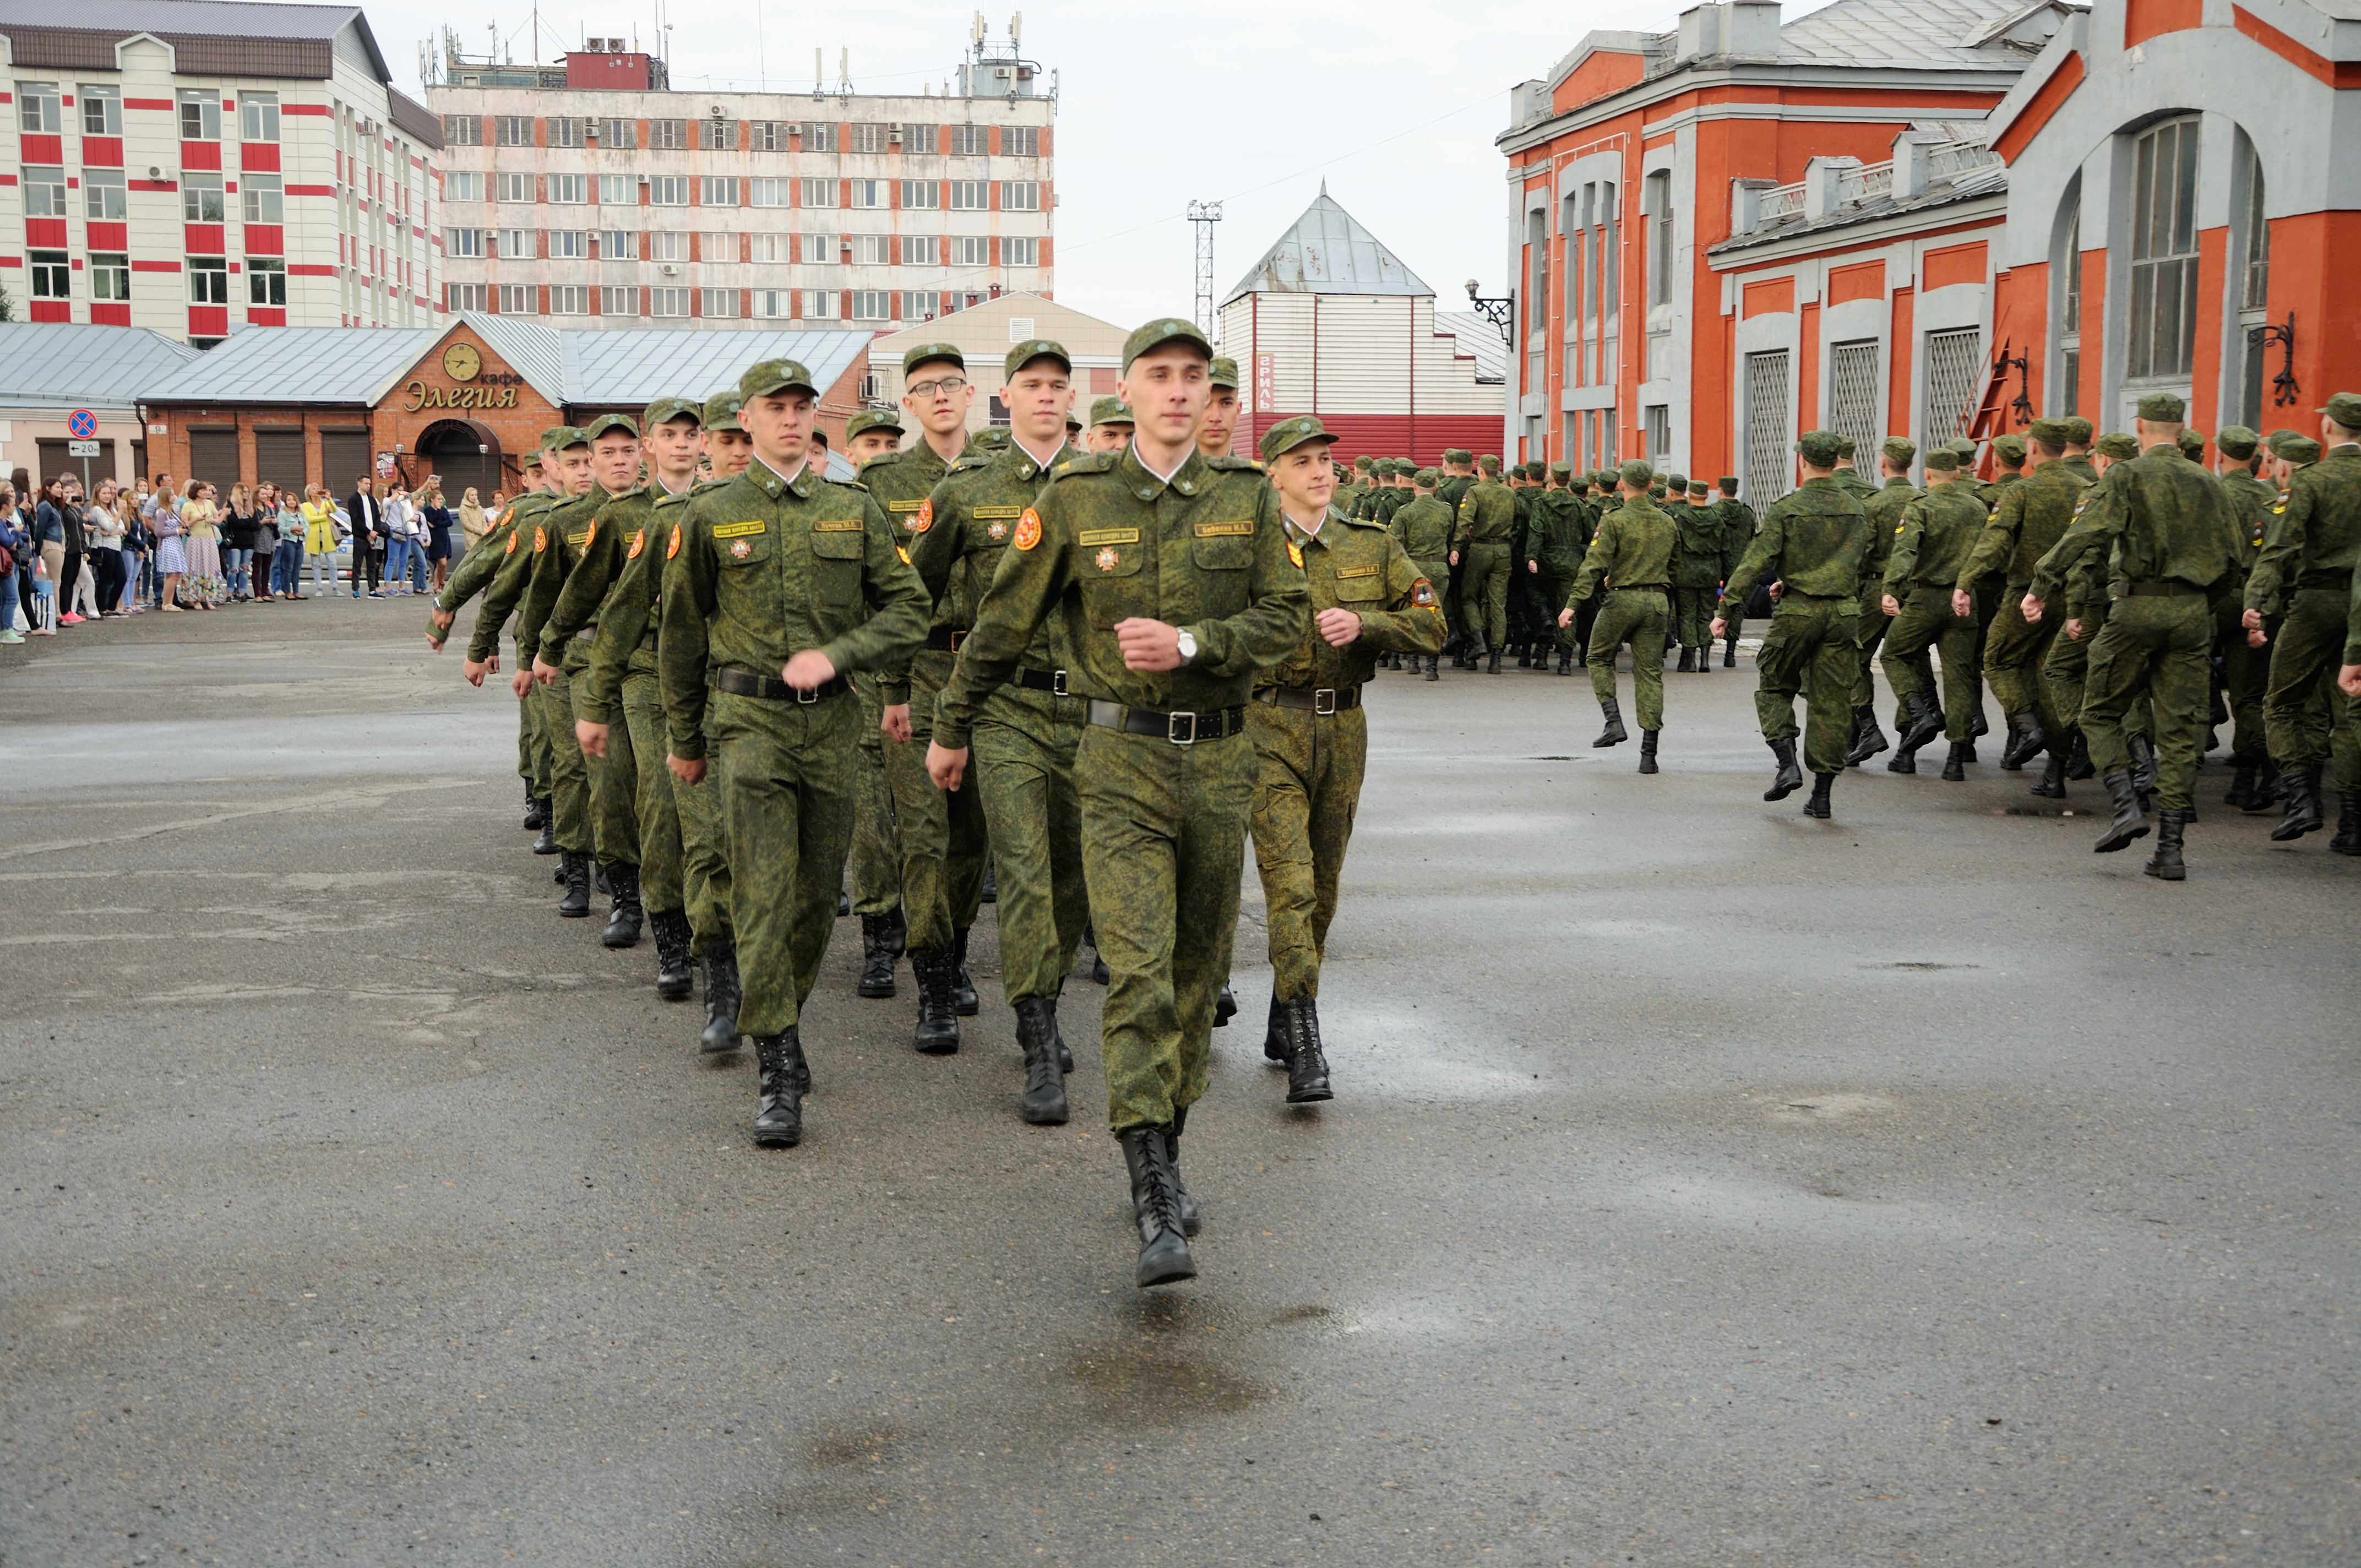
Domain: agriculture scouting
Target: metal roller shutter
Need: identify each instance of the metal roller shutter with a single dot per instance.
(278, 458)
(1770, 430)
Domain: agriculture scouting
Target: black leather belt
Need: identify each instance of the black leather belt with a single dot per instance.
(746, 683)
(945, 641)
(1181, 728)
(1053, 681)
(1313, 699)
(2166, 589)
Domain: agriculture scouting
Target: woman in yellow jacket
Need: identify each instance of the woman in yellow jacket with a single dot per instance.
(320, 540)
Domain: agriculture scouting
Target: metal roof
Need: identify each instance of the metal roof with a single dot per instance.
(635, 366)
(298, 365)
(1328, 252)
(60, 365)
(1479, 340)
(2001, 34)
(199, 18)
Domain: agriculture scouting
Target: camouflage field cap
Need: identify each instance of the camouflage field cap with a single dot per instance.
(1898, 450)
(1111, 411)
(564, 436)
(2009, 449)
(1821, 448)
(990, 438)
(2050, 433)
(774, 376)
(2078, 430)
(867, 420)
(1457, 455)
(2162, 408)
(2294, 448)
(1964, 445)
(1699, 487)
(722, 412)
(1678, 481)
(605, 423)
(1024, 353)
(928, 353)
(1289, 434)
(531, 459)
(1730, 484)
(664, 411)
(1427, 478)
(1561, 470)
(1845, 447)
(1942, 460)
(2192, 445)
(2115, 445)
(2236, 441)
(1224, 372)
(1073, 422)
(1159, 332)
(1635, 473)
(2344, 408)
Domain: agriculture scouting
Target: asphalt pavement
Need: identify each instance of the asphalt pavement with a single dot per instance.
(1705, 1185)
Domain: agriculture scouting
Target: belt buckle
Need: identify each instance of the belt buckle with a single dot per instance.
(1057, 683)
(1172, 726)
(810, 697)
(957, 638)
(1323, 700)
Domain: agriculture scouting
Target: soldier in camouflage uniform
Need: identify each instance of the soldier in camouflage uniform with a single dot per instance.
(1814, 543)
(1936, 532)
(2031, 516)
(1630, 564)
(1481, 547)
(2177, 539)
(1422, 527)
(780, 569)
(1734, 520)
(1850, 478)
(1111, 425)
(1555, 546)
(1171, 574)
(1026, 730)
(1883, 506)
(1458, 478)
(1217, 431)
(876, 837)
(2245, 669)
(1697, 574)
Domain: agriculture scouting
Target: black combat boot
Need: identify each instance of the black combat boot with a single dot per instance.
(1307, 1064)
(721, 996)
(2302, 815)
(1926, 723)
(1868, 736)
(1817, 805)
(2130, 821)
(675, 970)
(536, 810)
(624, 913)
(965, 1001)
(2164, 861)
(576, 901)
(1098, 959)
(1688, 662)
(1156, 1203)
(937, 975)
(1648, 750)
(779, 1117)
(1274, 1034)
(2347, 840)
(1729, 652)
(2143, 769)
(1191, 1221)
(1434, 667)
(1977, 728)
(2025, 740)
(1566, 661)
(2079, 766)
(1789, 778)
(2241, 782)
(2051, 785)
(1614, 734)
(1226, 1007)
(547, 843)
(1525, 655)
(1493, 667)
(1044, 1103)
(1955, 766)
(877, 958)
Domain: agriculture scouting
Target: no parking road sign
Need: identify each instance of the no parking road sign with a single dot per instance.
(81, 424)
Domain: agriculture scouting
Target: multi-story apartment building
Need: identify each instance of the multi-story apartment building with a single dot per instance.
(193, 165)
(597, 194)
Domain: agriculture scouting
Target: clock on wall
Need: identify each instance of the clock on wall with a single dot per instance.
(462, 362)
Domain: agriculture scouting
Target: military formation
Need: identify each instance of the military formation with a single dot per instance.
(1070, 666)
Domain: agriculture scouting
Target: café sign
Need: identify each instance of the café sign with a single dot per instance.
(464, 364)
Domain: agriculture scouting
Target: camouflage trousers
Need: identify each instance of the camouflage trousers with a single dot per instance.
(1164, 831)
(2246, 673)
(614, 778)
(2310, 721)
(533, 743)
(1868, 632)
(1024, 743)
(569, 774)
(784, 772)
(2067, 669)
(1813, 649)
(944, 840)
(2013, 652)
(1484, 589)
(526, 769)
(876, 846)
(704, 883)
(2154, 653)
(1549, 591)
(1437, 572)
(1635, 616)
(1307, 788)
(1926, 621)
(1693, 613)
(652, 794)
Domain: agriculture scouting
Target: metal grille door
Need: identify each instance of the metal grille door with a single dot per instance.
(1855, 395)
(1770, 430)
(1953, 361)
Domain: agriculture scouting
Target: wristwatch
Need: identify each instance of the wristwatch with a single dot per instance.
(1187, 646)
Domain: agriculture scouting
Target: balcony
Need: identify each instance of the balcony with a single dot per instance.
(1929, 168)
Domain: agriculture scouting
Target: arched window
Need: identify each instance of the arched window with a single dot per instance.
(2066, 267)
(2163, 325)
(2254, 287)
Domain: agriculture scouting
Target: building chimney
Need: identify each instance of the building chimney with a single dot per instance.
(1911, 157)
(1746, 203)
(1823, 181)
(1752, 28)
(1702, 31)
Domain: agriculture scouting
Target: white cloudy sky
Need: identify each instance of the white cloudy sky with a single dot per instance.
(1394, 105)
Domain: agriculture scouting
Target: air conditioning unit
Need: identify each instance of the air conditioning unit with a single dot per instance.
(643, 179)
(894, 135)
(719, 112)
(669, 270)
(589, 130)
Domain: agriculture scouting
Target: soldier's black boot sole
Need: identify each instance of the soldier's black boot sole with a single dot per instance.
(1156, 1207)
(675, 970)
(721, 997)
(1789, 778)
(1614, 734)
(2051, 785)
(1307, 1062)
(1867, 738)
(2129, 822)
(937, 1034)
(2025, 740)
(2164, 861)
(1226, 1007)
(1043, 1103)
(1648, 750)
(1817, 805)
(779, 1115)
(575, 905)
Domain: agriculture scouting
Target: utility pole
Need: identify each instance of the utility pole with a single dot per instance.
(1204, 215)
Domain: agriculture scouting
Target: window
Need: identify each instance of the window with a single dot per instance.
(2256, 293)
(618, 244)
(1659, 213)
(512, 187)
(45, 193)
(266, 280)
(969, 250)
(921, 192)
(866, 193)
(667, 247)
(1020, 141)
(819, 193)
(1657, 422)
(1955, 362)
(720, 303)
(53, 275)
(200, 115)
(466, 296)
(619, 302)
(716, 135)
(668, 302)
(617, 191)
(770, 136)
(208, 280)
(769, 246)
(1856, 396)
(920, 307)
(917, 250)
(463, 187)
(1769, 430)
(968, 195)
(768, 193)
(463, 130)
(512, 130)
(969, 141)
(38, 109)
(1534, 306)
(519, 299)
(720, 190)
(821, 304)
(872, 249)
(564, 130)
(258, 116)
(110, 276)
(613, 133)
(2163, 327)
(569, 300)
(668, 190)
(870, 305)
(463, 243)
(263, 197)
(573, 189)
(669, 136)
(201, 196)
(1019, 250)
(773, 303)
(569, 245)
(518, 243)
(717, 248)
(868, 139)
(820, 249)
(1020, 195)
(819, 137)
(102, 109)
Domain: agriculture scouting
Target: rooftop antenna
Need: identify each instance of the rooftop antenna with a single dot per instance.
(761, 69)
(1204, 216)
(819, 75)
(844, 75)
(1016, 32)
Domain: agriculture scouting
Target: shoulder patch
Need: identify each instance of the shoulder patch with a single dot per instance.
(590, 532)
(1421, 596)
(671, 545)
(926, 518)
(540, 539)
(904, 554)
(511, 548)
(638, 539)
(1029, 529)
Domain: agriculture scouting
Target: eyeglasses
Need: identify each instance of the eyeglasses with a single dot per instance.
(944, 388)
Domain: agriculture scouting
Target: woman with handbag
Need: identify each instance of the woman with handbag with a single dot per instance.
(171, 555)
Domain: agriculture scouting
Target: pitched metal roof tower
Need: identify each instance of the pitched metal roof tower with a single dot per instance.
(1328, 252)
